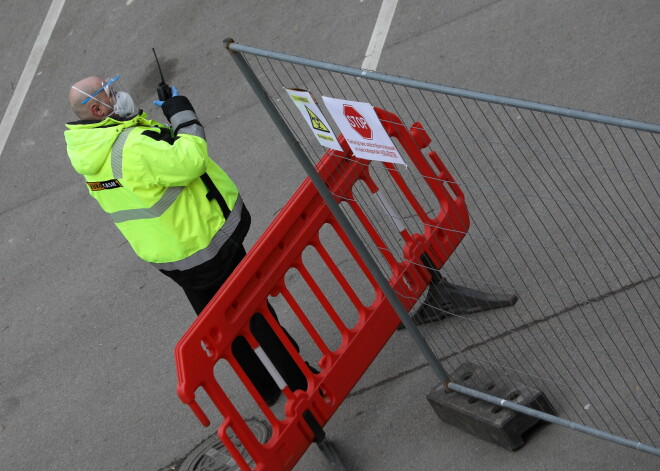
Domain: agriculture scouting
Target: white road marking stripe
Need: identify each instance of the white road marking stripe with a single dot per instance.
(28, 72)
(379, 34)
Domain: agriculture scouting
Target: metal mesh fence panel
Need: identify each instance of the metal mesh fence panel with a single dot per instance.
(563, 215)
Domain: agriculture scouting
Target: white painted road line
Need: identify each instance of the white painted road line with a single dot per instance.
(379, 35)
(28, 72)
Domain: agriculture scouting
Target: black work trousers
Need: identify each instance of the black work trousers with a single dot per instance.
(202, 282)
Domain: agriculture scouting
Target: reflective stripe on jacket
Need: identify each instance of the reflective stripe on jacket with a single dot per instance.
(148, 180)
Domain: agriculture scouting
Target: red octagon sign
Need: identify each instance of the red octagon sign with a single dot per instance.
(358, 122)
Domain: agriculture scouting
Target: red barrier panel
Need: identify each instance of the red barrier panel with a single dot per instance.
(261, 274)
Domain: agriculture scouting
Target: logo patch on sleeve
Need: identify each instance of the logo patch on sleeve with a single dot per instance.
(106, 185)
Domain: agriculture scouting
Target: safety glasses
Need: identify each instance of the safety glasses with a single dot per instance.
(107, 85)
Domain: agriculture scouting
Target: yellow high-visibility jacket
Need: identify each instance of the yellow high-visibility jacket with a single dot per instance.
(147, 177)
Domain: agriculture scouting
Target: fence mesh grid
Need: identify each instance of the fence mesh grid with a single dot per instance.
(563, 214)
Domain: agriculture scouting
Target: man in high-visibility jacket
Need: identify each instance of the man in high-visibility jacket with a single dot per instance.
(176, 207)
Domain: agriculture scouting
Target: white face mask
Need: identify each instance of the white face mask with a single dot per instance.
(124, 105)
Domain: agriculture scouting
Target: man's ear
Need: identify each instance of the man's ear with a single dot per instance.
(96, 110)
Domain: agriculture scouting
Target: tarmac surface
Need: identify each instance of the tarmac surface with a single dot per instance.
(87, 330)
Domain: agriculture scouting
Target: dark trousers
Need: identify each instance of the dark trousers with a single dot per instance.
(202, 282)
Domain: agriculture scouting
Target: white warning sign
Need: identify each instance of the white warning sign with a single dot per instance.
(314, 118)
(363, 130)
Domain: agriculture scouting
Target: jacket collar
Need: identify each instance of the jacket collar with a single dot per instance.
(111, 121)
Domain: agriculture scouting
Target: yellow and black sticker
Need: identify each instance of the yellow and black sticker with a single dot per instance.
(106, 185)
(301, 99)
(317, 123)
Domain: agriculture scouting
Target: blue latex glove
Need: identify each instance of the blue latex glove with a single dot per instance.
(175, 92)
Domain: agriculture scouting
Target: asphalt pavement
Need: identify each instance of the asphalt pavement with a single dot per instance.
(87, 330)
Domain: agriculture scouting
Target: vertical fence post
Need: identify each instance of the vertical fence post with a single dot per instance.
(371, 264)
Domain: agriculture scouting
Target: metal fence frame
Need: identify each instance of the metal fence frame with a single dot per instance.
(238, 53)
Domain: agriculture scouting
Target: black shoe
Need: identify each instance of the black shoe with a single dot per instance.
(311, 368)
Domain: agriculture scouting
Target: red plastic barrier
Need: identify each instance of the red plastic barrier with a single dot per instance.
(261, 274)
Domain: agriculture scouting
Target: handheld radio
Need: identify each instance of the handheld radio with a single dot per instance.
(164, 90)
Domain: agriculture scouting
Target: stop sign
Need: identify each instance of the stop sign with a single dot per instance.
(357, 122)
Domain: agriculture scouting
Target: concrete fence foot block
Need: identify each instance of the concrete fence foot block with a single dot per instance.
(484, 420)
